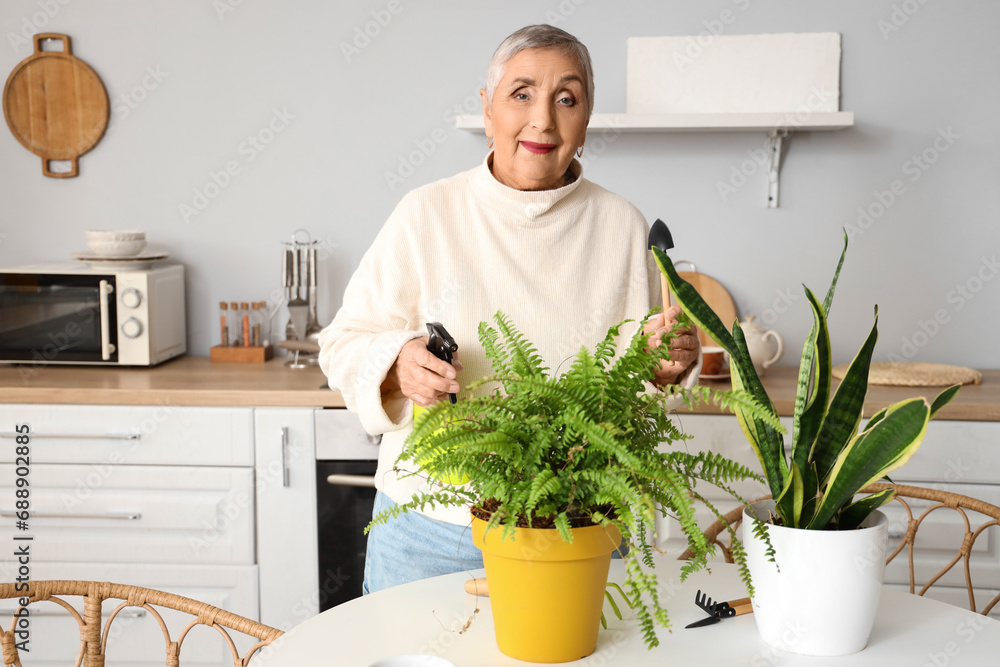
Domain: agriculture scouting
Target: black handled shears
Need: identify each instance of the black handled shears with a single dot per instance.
(442, 346)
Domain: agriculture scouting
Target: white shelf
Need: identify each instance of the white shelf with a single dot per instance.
(779, 127)
(701, 122)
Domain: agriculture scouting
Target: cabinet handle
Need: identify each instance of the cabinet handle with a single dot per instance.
(126, 516)
(351, 480)
(81, 436)
(284, 456)
(33, 614)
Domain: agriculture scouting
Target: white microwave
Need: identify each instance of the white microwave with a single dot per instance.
(59, 314)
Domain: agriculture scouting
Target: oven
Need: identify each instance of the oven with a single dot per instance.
(346, 460)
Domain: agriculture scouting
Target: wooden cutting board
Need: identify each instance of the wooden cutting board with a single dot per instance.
(716, 296)
(55, 105)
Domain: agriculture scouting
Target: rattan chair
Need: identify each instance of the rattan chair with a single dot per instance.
(94, 637)
(943, 501)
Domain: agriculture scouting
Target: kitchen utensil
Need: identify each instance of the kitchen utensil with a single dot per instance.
(143, 260)
(287, 283)
(55, 105)
(115, 243)
(299, 280)
(714, 294)
(114, 235)
(765, 347)
(298, 308)
(659, 236)
(313, 329)
(303, 350)
(117, 248)
(442, 346)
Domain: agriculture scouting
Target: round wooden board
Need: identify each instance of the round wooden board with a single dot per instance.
(915, 374)
(55, 105)
(716, 296)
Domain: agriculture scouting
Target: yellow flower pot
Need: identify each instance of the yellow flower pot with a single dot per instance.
(546, 594)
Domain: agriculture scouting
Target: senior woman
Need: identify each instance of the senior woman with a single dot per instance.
(524, 233)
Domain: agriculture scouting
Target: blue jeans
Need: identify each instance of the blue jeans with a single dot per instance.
(413, 546)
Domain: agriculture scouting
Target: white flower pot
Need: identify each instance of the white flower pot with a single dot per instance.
(824, 599)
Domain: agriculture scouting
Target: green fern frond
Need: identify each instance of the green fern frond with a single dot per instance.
(524, 358)
(607, 348)
(563, 526)
(545, 483)
(733, 400)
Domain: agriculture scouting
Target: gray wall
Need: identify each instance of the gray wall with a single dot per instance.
(353, 117)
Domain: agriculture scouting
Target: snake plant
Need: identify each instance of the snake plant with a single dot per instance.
(831, 460)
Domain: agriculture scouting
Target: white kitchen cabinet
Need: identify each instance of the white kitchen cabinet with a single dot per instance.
(141, 514)
(286, 515)
(166, 497)
(132, 434)
(957, 456)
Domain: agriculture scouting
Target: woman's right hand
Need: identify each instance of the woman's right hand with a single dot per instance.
(420, 376)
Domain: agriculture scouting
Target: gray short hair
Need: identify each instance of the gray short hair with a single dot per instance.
(539, 37)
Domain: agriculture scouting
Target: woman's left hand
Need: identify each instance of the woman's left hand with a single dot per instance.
(684, 346)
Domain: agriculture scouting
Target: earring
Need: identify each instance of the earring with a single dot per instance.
(489, 142)
(579, 153)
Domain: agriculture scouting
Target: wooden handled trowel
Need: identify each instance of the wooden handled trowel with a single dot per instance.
(659, 237)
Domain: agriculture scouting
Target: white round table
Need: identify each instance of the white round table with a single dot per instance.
(426, 617)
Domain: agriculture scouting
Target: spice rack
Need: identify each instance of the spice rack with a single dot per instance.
(244, 332)
(249, 354)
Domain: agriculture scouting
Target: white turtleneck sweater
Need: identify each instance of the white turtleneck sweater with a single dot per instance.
(563, 264)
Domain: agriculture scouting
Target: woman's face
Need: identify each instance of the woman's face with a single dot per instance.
(538, 119)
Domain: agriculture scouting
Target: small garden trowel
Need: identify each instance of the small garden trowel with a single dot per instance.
(659, 237)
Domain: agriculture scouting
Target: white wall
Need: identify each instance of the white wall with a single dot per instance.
(353, 119)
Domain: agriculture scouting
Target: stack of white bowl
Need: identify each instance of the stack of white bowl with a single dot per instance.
(116, 242)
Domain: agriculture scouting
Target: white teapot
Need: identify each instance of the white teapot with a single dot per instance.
(765, 347)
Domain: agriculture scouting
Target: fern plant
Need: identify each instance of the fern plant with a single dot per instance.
(582, 448)
(831, 460)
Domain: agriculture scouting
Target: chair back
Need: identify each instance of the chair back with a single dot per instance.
(94, 631)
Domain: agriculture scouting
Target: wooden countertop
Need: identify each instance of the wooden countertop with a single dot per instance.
(181, 381)
(195, 381)
(974, 402)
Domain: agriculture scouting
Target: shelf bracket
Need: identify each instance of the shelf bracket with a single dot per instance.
(774, 143)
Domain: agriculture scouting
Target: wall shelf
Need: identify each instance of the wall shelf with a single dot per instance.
(701, 122)
(778, 126)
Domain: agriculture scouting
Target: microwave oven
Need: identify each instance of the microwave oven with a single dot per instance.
(63, 314)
